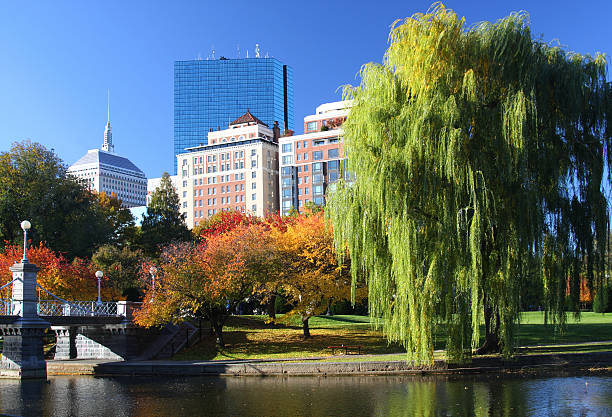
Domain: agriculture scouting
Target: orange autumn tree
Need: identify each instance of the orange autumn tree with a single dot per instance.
(311, 276)
(70, 281)
(208, 280)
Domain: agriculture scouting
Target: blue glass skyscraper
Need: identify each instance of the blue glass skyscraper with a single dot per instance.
(210, 94)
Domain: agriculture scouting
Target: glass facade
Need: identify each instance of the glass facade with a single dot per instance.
(210, 94)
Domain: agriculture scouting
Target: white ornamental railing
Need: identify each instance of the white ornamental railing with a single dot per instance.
(6, 307)
(76, 308)
(56, 306)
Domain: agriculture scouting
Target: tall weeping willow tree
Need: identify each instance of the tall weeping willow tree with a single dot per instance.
(479, 157)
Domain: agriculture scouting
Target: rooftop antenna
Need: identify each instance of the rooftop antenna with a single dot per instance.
(108, 105)
(199, 58)
(238, 51)
(256, 50)
(213, 52)
(267, 55)
(247, 53)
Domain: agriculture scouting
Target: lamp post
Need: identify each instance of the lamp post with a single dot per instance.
(153, 271)
(25, 225)
(99, 275)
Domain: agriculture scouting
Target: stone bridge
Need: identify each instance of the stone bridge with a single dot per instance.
(84, 329)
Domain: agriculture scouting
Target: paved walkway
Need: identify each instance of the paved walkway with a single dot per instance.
(314, 366)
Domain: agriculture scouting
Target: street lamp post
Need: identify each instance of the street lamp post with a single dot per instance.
(153, 271)
(25, 225)
(99, 275)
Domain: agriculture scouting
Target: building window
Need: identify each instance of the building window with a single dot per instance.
(184, 204)
(332, 153)
(317, 178)
(317, 189)
(310, 126)
(253, 164)
(254, 207)
(253, 152)
(253, 196)
(306, 191)
(287, 159)
(253, 185)
(297, 145)
(287, 147)
(305, 144)
(317, 167)
(317, 155)
(184, 194)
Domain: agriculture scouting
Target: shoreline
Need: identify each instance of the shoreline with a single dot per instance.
(592, 362)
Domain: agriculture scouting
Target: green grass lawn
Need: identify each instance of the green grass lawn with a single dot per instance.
(249, 337)
(590, 327)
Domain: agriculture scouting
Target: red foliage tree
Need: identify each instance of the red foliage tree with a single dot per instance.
(71, 281)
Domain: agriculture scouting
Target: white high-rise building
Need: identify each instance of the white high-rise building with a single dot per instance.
(104, 170)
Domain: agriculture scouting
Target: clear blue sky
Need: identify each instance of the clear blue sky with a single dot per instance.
(59, 57)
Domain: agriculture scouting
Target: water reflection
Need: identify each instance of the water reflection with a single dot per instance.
(309, 396)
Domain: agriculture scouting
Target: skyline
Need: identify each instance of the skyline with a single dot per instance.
(60, 60)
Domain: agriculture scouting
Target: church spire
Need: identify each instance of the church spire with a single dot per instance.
(108, 136)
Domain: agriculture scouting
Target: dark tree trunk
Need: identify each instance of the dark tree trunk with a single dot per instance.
(329, 311)
(305, 327)
(491, 342)
(216, 322)
(272, 308)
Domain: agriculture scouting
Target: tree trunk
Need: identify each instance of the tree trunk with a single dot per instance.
(217, 325)
(491, 342)
(329, 311)
(305, 327)
(272, 308)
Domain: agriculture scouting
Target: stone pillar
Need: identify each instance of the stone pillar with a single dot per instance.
(65, 346)
(22, 353)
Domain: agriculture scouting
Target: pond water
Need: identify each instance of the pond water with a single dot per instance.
(309, 396)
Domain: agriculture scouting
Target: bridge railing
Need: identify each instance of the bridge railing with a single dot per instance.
(56, 306)
(76, 308)
(6, 307)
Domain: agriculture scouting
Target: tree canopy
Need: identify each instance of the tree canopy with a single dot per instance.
(163, 223)
(480, 156)
(34, 185)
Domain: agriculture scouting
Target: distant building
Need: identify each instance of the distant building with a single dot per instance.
(104, 170)
(154, 183)
(236, 170)
(312, 162)
(209, 94)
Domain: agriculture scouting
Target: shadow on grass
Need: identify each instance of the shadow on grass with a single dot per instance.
(539, 334)
(604, 347)
(251, 337)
